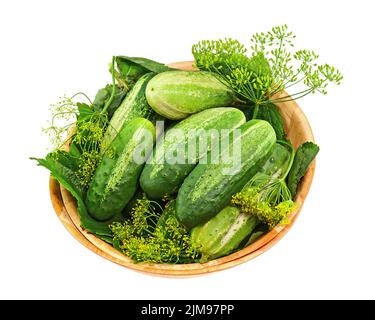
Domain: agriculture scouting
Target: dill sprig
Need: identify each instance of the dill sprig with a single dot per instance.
(83, 127)
(143, 239)
(270, 200)
(88, 139)
(250, 202)
(64, 115)
(271, 67)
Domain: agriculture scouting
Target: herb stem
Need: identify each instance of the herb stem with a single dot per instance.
(81, 94)
(293, 96)
(256, 111)
(108, 103)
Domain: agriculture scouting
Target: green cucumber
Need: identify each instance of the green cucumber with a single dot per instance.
(160, 175)
(176, 94)
(133, 106)
(116, 177)
(278, 161)
(209, 187)
(229, 229)
(223, 233)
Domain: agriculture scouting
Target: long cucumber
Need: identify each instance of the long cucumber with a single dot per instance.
(176, 94)
(116, 178)
(162, 175)
(133, 106)
(209, 187)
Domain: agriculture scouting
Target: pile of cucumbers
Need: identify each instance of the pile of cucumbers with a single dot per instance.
(197, 190)
(200, 101)
(187, 100)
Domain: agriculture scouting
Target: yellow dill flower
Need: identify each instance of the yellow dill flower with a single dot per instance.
(143, 239)
(266, 198)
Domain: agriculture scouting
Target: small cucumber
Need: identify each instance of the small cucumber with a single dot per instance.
(176, 94)
(209, 187)
(116, 177)
(223, 233)
(133, 106)
(161, 176)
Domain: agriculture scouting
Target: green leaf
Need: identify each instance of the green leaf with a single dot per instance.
(85, 111)
(130, 69)
(147, 64)
(303, 158)
(106, 238)
(271, 113)
(104, 94)
(62, 166)
(66, 160)
(74, 150)
(116, 244)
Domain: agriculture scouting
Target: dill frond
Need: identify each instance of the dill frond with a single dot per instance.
(271, 67)
(83, 126)
(64, 114)
(266, 198)
(144, 239)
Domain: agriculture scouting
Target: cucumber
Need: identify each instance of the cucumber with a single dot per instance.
(133, 106)
(229, 229)
(208, 188)
(223, 233)
(277, 162)
(159, 176)
(176, 94)
(116, 177)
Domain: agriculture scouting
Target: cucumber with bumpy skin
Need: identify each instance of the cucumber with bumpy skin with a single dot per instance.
(160, 176)
(209, 187)
(176, 94)
(133, 106)
(116, 177)
(223, 233)
(277, 162)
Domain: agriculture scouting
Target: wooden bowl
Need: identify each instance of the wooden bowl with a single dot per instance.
(298, 131)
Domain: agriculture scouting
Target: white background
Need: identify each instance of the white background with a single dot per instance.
(49, 48)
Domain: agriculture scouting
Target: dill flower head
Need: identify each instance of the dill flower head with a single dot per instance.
(149, 237)
(266, 198)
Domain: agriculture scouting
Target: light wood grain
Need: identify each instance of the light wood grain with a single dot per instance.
(298, 131)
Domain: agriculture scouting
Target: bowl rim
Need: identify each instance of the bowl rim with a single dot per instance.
(66, 209)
